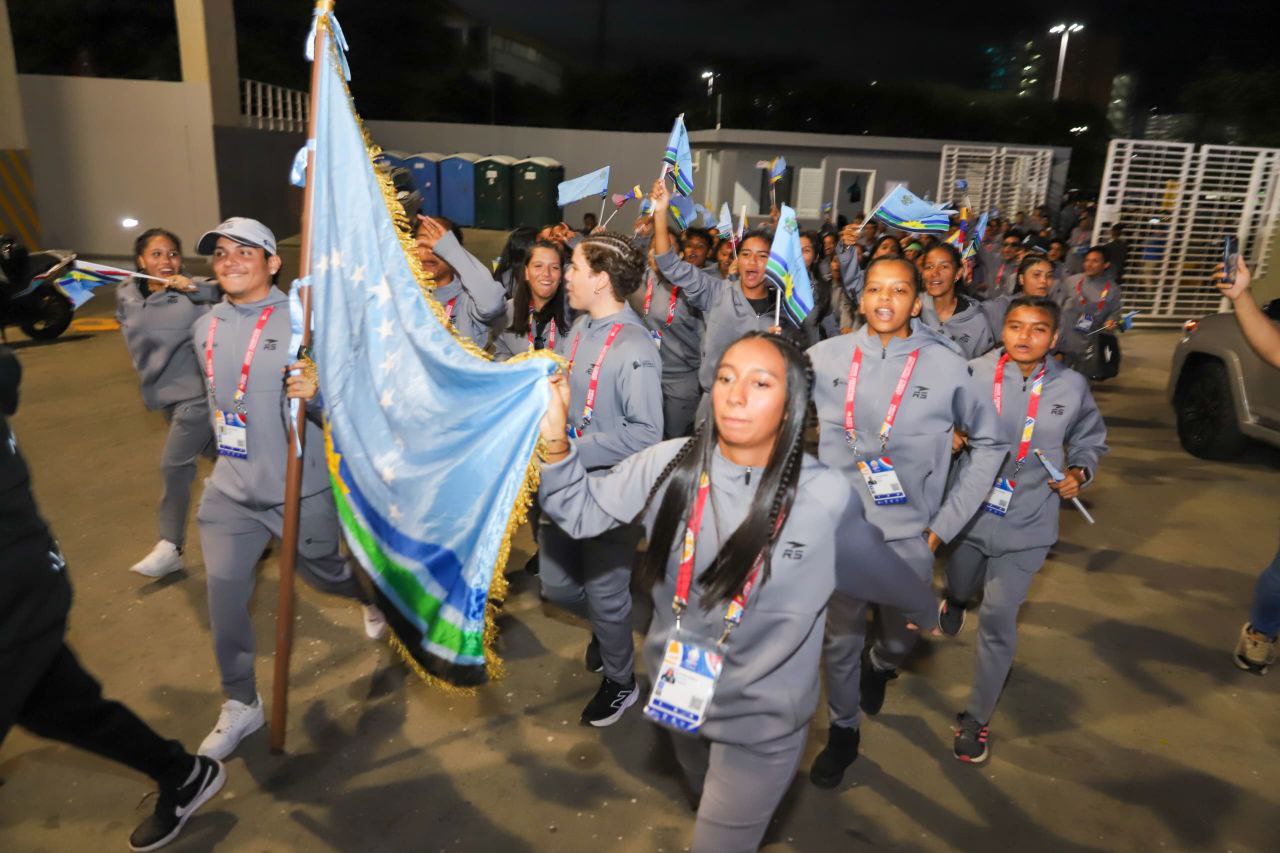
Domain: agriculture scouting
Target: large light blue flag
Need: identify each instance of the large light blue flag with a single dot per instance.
(679, 158)
(429, 443)
(576, 189)
(786, 270)
(902, 209)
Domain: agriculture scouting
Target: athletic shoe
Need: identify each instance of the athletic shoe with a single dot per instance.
(841, 751)
(609, 703)
(1255, 652)
(164, 559)
(236, 722)
(532, 566)
(592, 660)
(871, 687)
(176, 805)
(950, 616)
(971, 739)
(375, 623)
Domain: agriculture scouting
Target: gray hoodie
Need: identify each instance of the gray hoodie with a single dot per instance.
(724, 307)
(681, 349)
(157, 332)
(628, 409)
(769, 685)
(1084, 301)
(507, 343)
(939, 396)
(257, 482)
(851, 273)
(1067, 418)
(969, 326)
(480, 299)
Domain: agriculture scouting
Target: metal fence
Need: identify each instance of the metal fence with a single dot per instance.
(270, 107)
(1007, 179)
(1177, 204)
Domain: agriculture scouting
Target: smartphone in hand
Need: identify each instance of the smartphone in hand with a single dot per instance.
(1230, 256)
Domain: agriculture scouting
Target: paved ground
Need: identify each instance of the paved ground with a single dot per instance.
(1124, 726)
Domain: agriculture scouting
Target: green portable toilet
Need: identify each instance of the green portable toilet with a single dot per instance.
(534, 182)
(493, 192)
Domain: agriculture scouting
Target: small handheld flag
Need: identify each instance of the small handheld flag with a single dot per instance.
(682, 211)
(1056, 475)
(725, 225)
(1125, 324)
(620, 199)
(742, 224)
(79, 282)
(593, 184)
(777, 167)
(786, 270)
(679, 159)
(902, 209)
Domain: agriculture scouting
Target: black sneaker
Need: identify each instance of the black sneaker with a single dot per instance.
(871, 687)
(592, 660)
(841, 751)
(950, 616)
(176, 805)
(971, 739)
(609, 703)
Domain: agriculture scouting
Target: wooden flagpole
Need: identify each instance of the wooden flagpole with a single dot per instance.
(293, 471)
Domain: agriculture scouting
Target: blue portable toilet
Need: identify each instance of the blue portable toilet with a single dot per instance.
(458, 188)
(425, 169)
(390, 159)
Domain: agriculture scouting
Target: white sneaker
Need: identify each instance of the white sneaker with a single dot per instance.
(164, 559)
(236, 722)
(375, 623)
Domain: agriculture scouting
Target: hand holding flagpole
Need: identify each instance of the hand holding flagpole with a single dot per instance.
(1058, 476)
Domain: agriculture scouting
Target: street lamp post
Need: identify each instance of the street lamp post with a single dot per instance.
(1065, 30)
(710, 77)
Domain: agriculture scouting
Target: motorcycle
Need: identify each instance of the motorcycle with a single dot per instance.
(30, 297)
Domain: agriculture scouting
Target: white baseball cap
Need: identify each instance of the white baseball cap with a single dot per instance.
(249, 232)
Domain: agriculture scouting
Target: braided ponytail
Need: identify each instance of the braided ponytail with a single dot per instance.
(613, 254)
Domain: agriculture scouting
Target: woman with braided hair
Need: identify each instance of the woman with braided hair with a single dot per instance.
(748, 538)
(615, 387)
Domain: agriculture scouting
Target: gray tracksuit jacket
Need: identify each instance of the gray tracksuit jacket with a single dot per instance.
(480, 299)
(727, 313)
(628, 409)
(681, 348)
(157, 331)
(969, 326)
(507, 343)
(769, 685)
(939, 396)
(258, 481)
(1079, 303)
(1067, 418)
(851, 273)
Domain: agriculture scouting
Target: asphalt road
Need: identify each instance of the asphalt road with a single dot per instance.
(1124, 725)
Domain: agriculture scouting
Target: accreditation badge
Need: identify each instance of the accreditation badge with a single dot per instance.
(685, 684)
(997, 502)
(232, 431)
(882, 481)
(1085, 323)
(656, 336)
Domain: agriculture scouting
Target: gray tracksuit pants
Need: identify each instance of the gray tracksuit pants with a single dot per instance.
(190, 437)
(233, 537)
(740, 787)
(846, 636)
(591, 578)
(1005, 580)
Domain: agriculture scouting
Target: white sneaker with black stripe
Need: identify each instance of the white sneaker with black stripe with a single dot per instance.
(176, 805)
(610, 702)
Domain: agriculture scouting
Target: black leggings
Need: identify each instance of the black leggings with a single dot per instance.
(61, 701)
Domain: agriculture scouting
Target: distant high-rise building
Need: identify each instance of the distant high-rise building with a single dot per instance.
(1029, 67)
(1120, 107)
(1015, 66)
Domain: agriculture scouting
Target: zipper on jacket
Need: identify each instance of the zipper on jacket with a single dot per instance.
(748, 476)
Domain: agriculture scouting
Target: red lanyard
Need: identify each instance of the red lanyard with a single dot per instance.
(1033, 406)
(684, 579)
(243, 385)
(448, 308)
(1101, 302)
(589, 409)
(551, 336)
(895, 403)
(671, 306)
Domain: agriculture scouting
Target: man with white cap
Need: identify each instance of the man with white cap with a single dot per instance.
(242, 348)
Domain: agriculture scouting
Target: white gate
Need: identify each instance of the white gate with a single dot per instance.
(1006, 179)
(1176, 205)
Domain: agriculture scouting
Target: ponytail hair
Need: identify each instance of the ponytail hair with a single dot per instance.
(611, 253)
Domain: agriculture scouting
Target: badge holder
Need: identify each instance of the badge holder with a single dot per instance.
(997, 502)
(657, 338)
(685, 683)
(882, 481)
(232, 433)
(1085, 323)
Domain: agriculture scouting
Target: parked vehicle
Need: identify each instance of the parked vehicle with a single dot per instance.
(29, 297)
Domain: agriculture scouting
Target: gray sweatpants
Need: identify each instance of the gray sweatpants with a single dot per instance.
(1004, 579)
(740, 787)
(190, 437)
(847, 632)
(591, 578)
(233, 538)
(677, 414)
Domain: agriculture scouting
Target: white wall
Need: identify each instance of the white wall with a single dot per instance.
(105, 149)
(635, 157)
